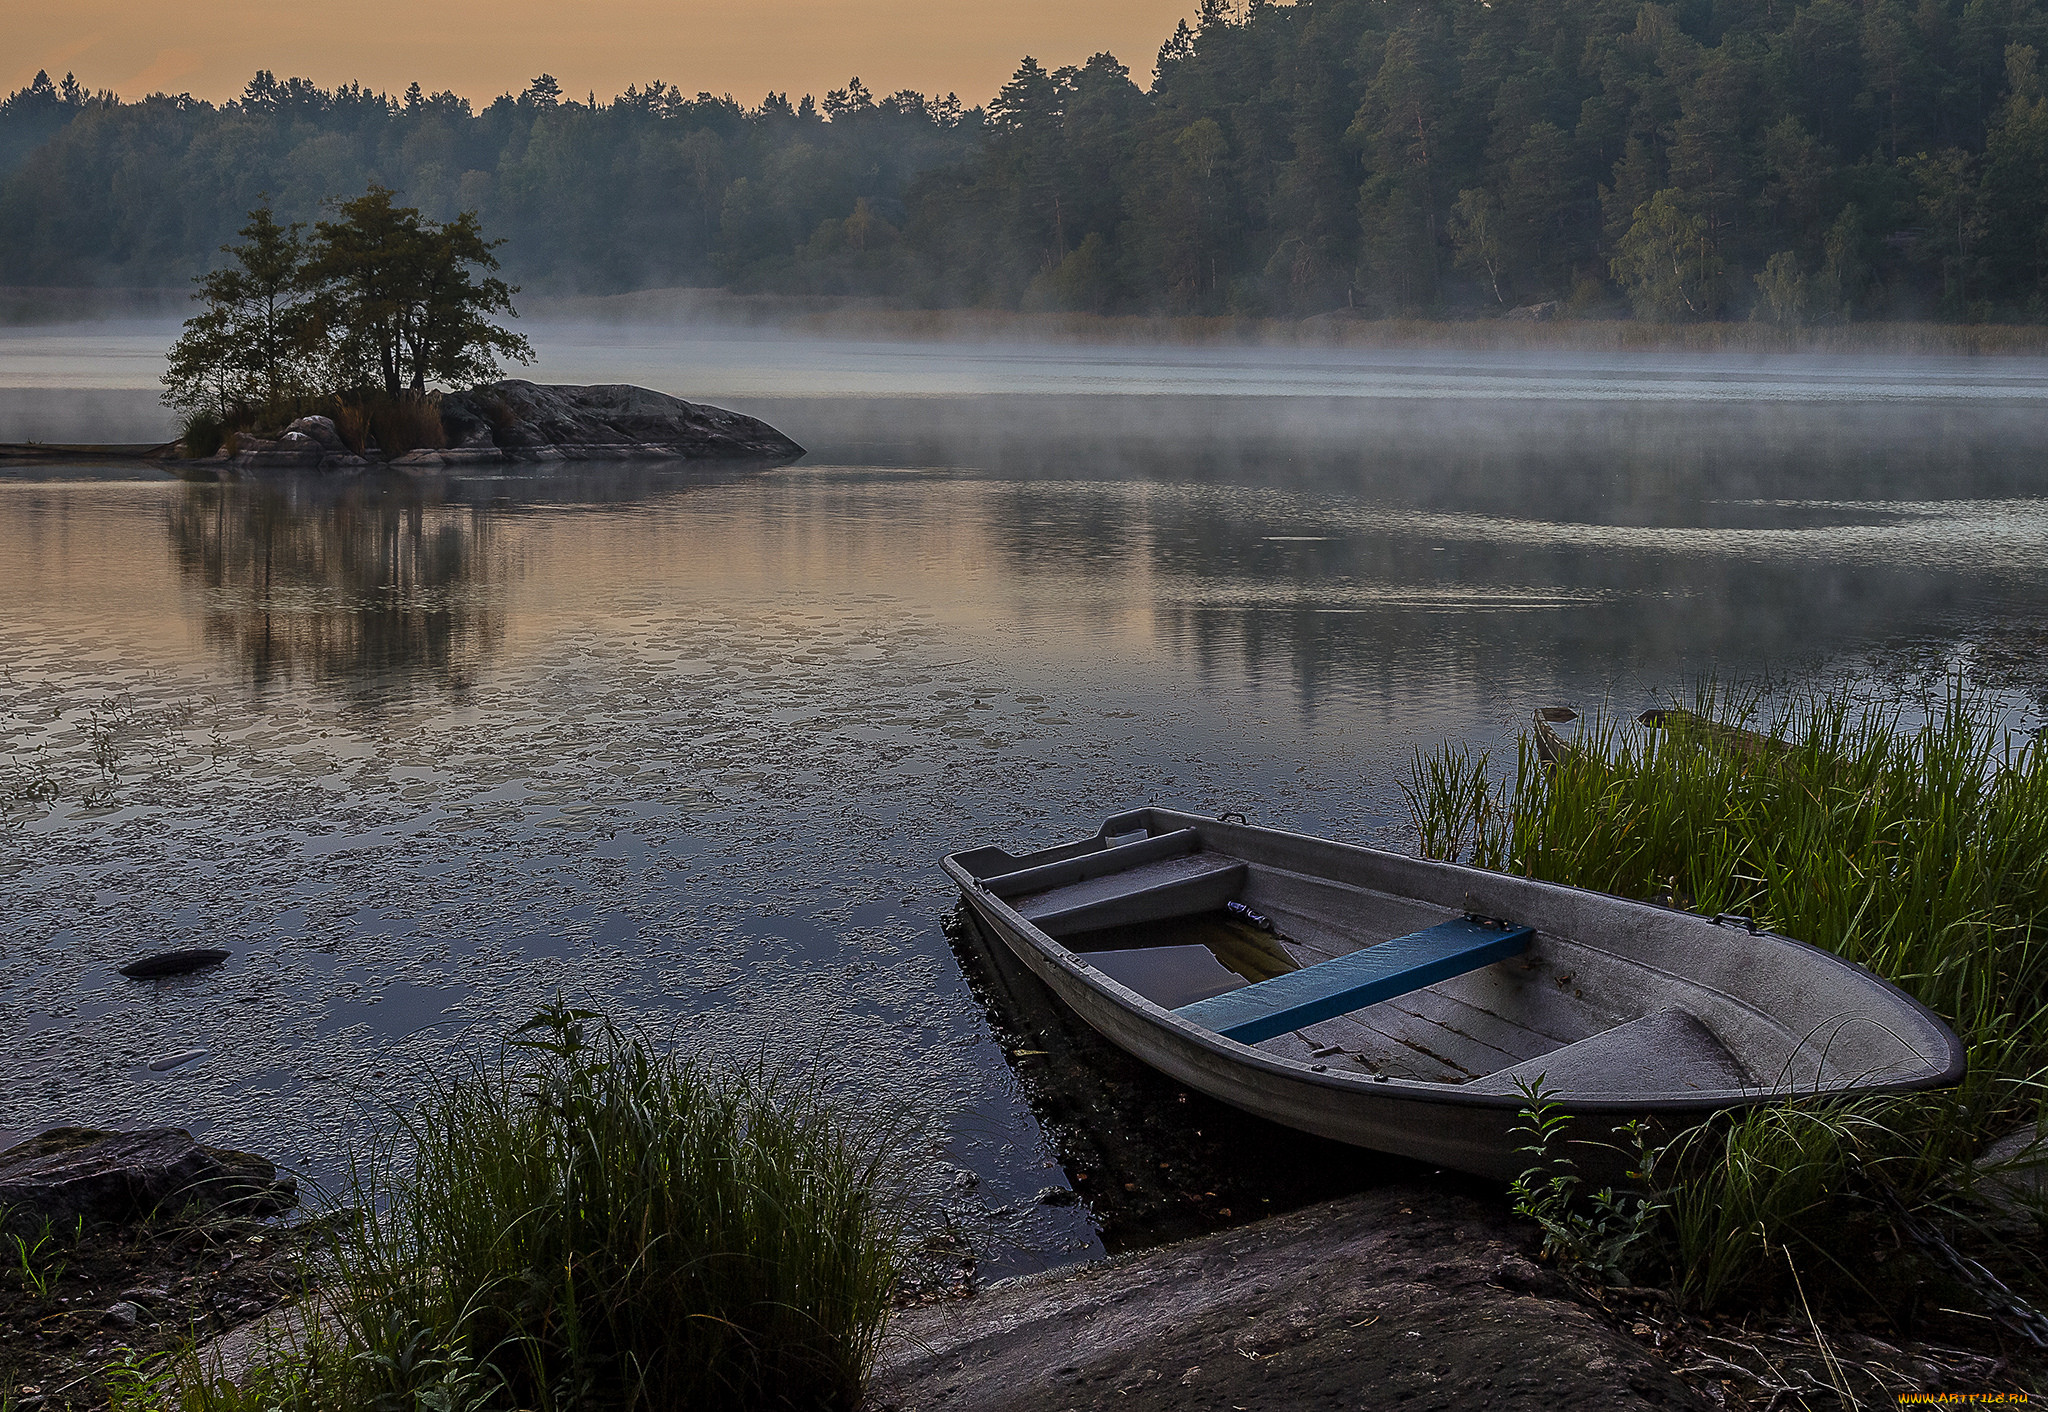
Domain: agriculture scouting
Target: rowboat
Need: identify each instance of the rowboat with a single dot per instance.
(1410, 1006)
(1551, 747)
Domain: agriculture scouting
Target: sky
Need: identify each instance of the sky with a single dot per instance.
(481, 48)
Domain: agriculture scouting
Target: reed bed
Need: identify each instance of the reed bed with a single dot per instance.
(1910, 839)
(583, 1222)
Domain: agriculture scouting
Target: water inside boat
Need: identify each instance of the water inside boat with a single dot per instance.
(1176, 961)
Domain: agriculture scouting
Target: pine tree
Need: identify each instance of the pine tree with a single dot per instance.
(254, 342)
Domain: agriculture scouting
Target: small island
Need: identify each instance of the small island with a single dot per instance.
(330, 352)
(516, 420)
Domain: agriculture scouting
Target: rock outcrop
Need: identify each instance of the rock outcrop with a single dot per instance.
(114, 1177)
(1406, 1298)
(517, 420)
(526, 421)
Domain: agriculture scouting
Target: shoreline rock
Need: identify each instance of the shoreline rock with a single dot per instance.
(604, 422)
(174, 963)
(1405, 1297)
(140, 1240)
(308, 444)
(116, 1177)
(520, 421)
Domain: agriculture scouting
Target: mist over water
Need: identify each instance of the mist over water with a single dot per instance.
(689, 741)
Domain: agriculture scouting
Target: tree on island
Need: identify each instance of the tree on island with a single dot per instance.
(255, 338)
(362, 316)
(401, 300)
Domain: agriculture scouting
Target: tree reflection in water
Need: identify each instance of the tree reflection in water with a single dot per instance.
(374, 587)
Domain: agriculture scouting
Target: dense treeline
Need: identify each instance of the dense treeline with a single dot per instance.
(1702, 159)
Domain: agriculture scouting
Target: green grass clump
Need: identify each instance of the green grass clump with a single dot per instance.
(587, 1223)
(1914, 843)
(201, 434)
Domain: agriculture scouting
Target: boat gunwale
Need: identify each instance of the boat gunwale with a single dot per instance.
(1407, 1090)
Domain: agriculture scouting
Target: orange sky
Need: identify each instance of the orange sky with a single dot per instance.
(481, 48)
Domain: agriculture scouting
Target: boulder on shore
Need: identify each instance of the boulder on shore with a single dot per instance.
(116, 1177)
(308, 444)
(516, 420)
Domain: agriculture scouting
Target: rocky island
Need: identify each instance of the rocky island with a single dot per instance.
(515, 420)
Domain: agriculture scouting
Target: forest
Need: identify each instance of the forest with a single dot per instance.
(1807, 162)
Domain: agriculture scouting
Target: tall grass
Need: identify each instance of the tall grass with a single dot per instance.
(583, 1222)
(408, 422)
(1914, 843)
(366, 418)
(201, 434)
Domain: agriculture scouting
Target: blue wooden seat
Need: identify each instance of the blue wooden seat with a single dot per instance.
(1347, 983)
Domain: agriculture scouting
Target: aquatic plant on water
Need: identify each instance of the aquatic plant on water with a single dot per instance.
(585, 1222)
(1911, 839)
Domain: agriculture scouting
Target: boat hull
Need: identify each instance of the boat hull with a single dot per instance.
(1447, 1125)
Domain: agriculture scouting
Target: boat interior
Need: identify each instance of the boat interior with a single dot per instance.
(1345, 978)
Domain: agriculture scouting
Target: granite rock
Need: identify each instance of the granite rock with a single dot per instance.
(1396, 1298)
(526, 421)
(115, 1177)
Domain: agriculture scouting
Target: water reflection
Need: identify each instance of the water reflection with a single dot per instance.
(344, 584)
(1337, 550)
(377, 586)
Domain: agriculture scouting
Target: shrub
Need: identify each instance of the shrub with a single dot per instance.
(584, 1222)
(1599, 1232)
(269, 419)
(407, 422)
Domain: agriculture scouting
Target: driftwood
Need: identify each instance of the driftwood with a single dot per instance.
(71, 451)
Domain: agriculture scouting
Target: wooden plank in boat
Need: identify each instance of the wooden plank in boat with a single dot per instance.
(1349, 983)
(1393, 1038)
(1345, 1040)
(1385, 1029)
(1441, 1010)
(1478, 1003)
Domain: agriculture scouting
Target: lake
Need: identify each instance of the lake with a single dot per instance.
(688, 742)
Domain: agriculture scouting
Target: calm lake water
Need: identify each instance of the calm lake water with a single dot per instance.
(690, 742)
